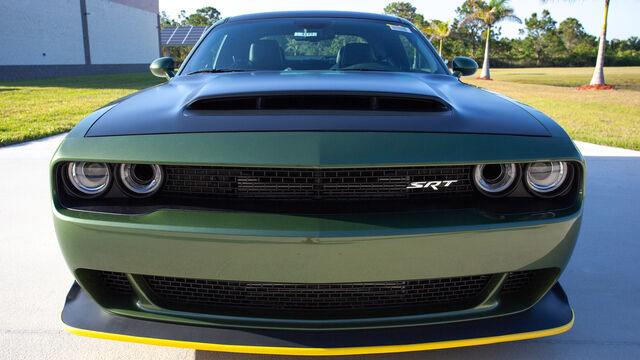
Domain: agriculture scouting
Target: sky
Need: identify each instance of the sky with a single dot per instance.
(623, 14)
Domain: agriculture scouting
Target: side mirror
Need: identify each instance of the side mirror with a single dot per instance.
(163, 67)
(463, 66)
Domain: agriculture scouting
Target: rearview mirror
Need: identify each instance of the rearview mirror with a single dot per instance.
(163, 67)
(463, 66)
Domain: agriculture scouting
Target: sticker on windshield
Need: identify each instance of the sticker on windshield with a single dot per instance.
(399, 28)
(305, 34)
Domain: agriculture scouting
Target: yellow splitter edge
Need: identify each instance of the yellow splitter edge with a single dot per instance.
(82, 316)
(321, 351)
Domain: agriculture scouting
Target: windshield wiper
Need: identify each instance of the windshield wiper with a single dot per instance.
(212, 71)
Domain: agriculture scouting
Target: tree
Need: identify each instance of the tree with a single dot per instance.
(598, 72)
(292, 46)
(165, 20)
(489, 14)
(439, 30)
(633, 43)
(205, 16)
(471, 30)
(572, 33)
(420, 22)
(540, 32)
(401, 9)
(406, 11)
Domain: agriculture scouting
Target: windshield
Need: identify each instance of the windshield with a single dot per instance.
(313, 44)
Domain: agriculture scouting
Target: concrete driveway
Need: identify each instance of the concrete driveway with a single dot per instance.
(602, 280)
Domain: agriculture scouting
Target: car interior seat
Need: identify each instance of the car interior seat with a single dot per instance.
(266, 55)
(354, 53)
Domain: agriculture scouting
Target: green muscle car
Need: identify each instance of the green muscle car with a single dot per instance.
(316, 183)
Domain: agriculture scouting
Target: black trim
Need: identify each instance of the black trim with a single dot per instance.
(318, 14)
(304, 102)
(552, 311)
(520, 205)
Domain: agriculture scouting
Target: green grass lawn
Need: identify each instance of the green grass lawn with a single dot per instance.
(607, 117)
(627, 77)
(33, 109)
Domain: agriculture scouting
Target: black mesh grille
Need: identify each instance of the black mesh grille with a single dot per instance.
(317, 297)
(318, 184)
(116, 282)
(517, 281)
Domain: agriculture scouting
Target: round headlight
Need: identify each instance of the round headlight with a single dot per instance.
(546, 177)
(495, 179)
(89, 179)
(141, 179)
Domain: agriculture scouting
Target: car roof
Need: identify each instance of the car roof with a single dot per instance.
(318, 14)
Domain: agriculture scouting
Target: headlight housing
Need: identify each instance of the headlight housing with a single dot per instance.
(496, 180)
(140, 180)
(546, 178)
(88, 179)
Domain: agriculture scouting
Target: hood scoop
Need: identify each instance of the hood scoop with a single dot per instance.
(315, 101)
(318, 102)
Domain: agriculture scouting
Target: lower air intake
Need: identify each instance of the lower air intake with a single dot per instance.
(116, 282)
(439, 294)
(518, 280)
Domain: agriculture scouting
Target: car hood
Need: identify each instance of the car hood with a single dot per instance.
(465, 109)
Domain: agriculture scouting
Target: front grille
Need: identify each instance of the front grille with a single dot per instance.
(116, 282)
(453, 293)
(516, 281)
(317, 184)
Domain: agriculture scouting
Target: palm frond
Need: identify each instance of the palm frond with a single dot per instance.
(471, 19)
(513, 18)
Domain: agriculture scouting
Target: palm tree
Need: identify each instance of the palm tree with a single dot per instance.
(293, 46)
(598, 72)
(438, 30)
(489, 14)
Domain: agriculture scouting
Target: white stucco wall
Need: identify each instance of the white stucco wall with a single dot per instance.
(121, 34)
(29, 28)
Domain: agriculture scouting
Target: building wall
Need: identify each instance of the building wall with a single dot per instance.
(40, 32)
(121, 33)
(44, 38)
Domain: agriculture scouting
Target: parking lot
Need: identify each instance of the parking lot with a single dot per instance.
(601, 280)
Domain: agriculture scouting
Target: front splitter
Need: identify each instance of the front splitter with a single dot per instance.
(551, 315)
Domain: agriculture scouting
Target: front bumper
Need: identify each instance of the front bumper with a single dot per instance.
(296, 254)
(551, 315)
(312, 249)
